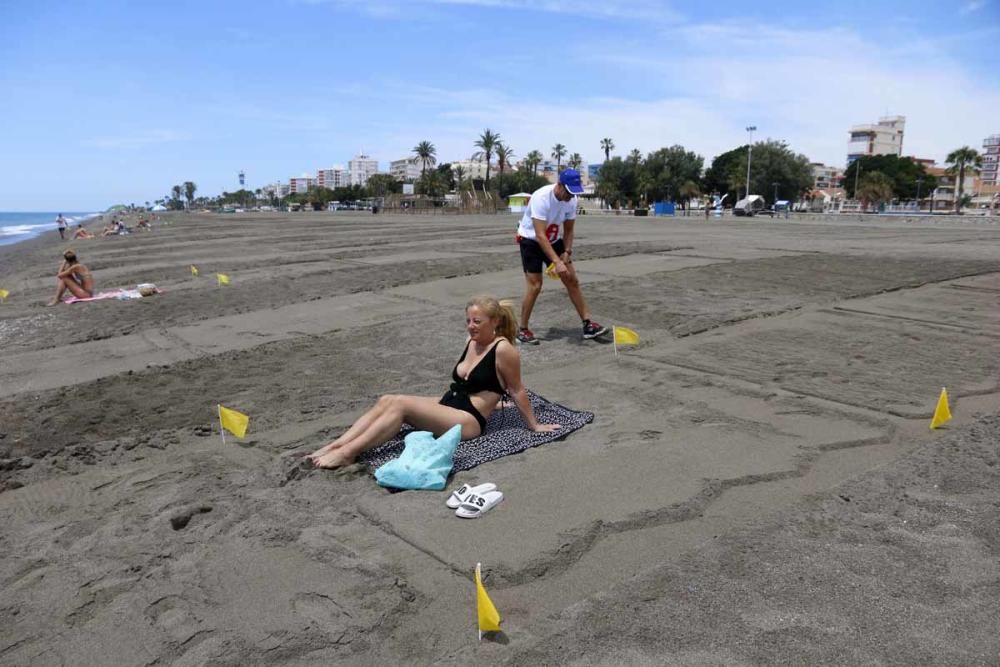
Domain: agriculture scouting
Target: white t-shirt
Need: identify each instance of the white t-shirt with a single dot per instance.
(543, 205)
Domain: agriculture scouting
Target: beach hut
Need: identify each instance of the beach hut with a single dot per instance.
(518, 202)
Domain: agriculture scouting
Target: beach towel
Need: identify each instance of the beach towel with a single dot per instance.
(425, 462)
(120, 294)
(506, 434)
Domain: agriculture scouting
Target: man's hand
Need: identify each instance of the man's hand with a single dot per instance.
(561, 268)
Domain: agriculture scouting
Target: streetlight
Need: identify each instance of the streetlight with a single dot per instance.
(919, 181)
(750, 129)
(775, 202)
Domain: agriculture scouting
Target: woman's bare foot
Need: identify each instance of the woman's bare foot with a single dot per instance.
(334, 459)
(52, 303)
(321, 451)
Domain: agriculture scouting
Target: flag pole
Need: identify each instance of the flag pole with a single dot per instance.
(478, 579)
(222, 429)
(614, 339)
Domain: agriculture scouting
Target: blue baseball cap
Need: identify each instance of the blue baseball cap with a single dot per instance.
(570, 178)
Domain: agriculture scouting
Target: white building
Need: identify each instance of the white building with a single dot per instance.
(472, 168)
(299, 184)
(991, 160)
(407, 169)
(334, 177)
(882, 138)
(361, 168)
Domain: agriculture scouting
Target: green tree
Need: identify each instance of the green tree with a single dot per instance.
(773, 162)
(533, 159)
(607, 146)
(688, 191)
(666, 170)
(618, 182)
(635, 156)
(904, 172)
(175, 197)
(459, 172)
(717, 176)
(380, 185)
(575, 160)
(558, 153)
(875, 188)
(189, 189)
(522, 180)
(504, 156)
(487, 143)
(426, 152)
(958, 161)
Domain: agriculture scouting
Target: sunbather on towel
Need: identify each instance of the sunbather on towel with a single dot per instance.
(489, 367)
(75, 277)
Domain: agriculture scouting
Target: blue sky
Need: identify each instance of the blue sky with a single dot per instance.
(112, 101)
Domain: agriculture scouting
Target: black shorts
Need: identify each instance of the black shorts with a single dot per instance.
(462, 401)
(532, 257)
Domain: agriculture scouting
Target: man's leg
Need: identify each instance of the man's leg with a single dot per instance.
(572, 284)
(532, 288)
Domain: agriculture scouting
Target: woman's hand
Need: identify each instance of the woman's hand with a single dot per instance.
(546, 428)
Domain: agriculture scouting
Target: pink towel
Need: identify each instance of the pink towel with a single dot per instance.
(122, 294)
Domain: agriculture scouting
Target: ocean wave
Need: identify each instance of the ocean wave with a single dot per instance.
(14, 230)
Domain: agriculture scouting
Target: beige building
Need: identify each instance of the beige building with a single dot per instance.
(473, 168)
(825, 177)
(300, 184)
(361, 168)
(882, 138)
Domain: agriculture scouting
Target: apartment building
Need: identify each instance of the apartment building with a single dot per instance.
(333, 177)
(407, 169)
(991, 160)
(825, 177)
(361, 168)
(882, 138)
(300, 184)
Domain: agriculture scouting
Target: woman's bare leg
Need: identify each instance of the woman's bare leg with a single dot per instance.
(423, 413)
(357, 428)
(59, 292)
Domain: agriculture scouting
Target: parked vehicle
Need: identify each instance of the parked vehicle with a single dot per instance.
(749, 206)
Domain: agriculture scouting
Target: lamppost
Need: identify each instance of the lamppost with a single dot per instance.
(775, 202)
(750, 129)
(919, 181)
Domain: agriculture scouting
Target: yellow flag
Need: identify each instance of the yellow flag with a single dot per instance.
(942, 413)
(550, 271)
(222, 278)
(194, 270)
(4, 294)
(489, 617)
(233, 421)
(625, 336)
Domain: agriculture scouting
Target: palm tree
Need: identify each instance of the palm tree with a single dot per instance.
(635, 156)
(688, 191)
(533, 159)
(875, 188)
(459, 172)
(425, 151)
(558, 153)
(189, 189)
(176, 193)
(607, 146)
(488, 141)
(575, 160)
(958, 161)
(504, 155)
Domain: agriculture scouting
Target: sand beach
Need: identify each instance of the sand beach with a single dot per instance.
(759, 484)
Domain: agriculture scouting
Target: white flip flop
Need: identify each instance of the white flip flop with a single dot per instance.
(477, 505)
(459, 495)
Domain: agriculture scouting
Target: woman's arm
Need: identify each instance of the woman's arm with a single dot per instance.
(510, 372)
(67, 272)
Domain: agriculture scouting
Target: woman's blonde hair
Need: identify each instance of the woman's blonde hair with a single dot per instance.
(501, 311)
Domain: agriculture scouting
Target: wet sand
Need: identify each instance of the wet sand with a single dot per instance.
(759, 485)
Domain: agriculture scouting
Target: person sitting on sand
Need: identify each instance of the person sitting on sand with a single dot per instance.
(489, 366)
(75, 277)
(82, 233)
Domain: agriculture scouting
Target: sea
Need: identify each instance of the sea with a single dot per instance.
(16, 227)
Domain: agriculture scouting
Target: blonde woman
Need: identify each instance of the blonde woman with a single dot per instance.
(489, 366)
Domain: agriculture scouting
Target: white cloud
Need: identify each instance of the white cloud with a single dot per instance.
(142, 140)
(972, 6)
(649, 10)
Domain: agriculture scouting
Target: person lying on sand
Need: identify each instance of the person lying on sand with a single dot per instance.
(489, 366)
(75, 277)
(82, 233)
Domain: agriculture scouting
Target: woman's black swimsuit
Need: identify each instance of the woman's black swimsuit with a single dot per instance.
(482, 378)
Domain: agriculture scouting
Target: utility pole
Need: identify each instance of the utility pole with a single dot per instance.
(750, 129)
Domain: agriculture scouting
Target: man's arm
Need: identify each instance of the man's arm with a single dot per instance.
(568, 235)
(543, 241)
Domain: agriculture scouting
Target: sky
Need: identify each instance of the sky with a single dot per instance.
(115, 101)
